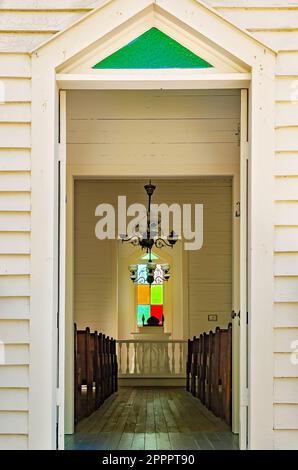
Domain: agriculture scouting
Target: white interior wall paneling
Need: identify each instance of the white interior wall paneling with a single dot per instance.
(106, 123)
(108, 128)
(209, 269)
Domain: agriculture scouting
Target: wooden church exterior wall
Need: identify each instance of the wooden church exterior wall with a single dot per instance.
(25, 24)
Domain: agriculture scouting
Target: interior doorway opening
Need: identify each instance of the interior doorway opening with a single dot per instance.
(209, 144)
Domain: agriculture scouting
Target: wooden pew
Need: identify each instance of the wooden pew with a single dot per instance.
(194, 365)
(226, 374)
(95, 371)
(215, 372)
(77, 380)
(114, 366)
(209, 371)
(188, 363)
(203, 367)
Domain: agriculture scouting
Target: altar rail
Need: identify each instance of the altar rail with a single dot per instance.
(151, 359)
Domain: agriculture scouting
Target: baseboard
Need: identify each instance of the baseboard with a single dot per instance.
(151, 381)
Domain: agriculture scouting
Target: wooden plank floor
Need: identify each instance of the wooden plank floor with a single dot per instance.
(150, 419)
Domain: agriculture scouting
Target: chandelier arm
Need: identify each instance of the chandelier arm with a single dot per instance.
(160, 242)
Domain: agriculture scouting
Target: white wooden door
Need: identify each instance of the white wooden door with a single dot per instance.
(61, 268)
(243, 359)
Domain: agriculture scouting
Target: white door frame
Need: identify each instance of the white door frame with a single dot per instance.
(44, 243)
(238, 174)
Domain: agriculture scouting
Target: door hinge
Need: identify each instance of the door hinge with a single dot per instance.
(61, 152)
(58, 396)
(245, 397)
(245, 150)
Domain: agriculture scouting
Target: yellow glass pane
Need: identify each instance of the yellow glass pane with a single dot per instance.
(143, 294)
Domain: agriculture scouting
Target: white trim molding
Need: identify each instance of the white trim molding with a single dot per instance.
(194, 18)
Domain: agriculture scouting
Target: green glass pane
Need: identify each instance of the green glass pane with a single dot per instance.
(156, 294)
(143, 310)
(152, 50)
(147, 256)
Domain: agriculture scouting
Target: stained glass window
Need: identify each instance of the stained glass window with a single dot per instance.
(153, 50)
(149, 298)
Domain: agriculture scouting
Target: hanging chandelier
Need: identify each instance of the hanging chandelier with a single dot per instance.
(146, 241)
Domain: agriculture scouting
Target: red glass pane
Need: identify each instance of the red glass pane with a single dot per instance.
(156, 311)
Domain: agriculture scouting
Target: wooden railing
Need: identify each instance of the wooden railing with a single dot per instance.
(95, 372)
(149, 358)
(209, 371)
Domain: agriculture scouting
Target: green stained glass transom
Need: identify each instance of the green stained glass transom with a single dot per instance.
(152, 50)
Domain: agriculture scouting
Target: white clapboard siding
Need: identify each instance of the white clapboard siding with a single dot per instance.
(286, 188)
(283, 366)
(21, 42)
(284, 339)
(15, 65)
(49, 4)
(286, 238)
(14, 243)
(260, 4)
(15, 135)
(286, 113)
(13, 442)
(286, 213)
(15, 89)
(286, 264)
(285, 416)
(286, 289)
(286, 164)
(14, 264)
(283, 40)
(14, 399)
(12, 181)
(286, 139)
(14, 331)
(15, 112)
(286, 439)
(12, 201)
(14, 286)
(287, 89)
(286, 390)
(262, 18)
(15, 222)
(15, 159)
(16, 353)
(287, 63)
(12, 422)
(14, 308)
(44, 20)
(12, 376)
(286, 315)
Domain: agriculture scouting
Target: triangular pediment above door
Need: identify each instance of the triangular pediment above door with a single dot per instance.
(151, 40)
(152, 50)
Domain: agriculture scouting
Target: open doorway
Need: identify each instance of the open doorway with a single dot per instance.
(202, 129)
